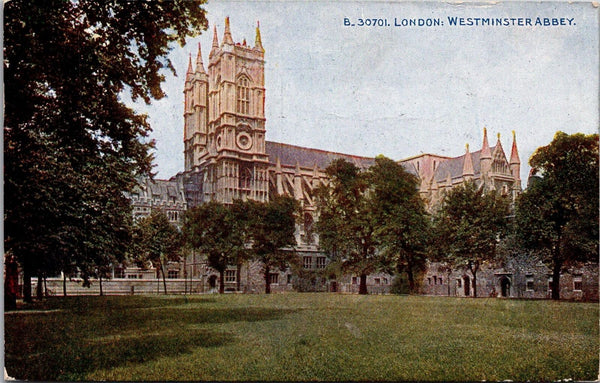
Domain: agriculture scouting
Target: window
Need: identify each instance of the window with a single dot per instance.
(529, 283)
(307, 262)
(243, 96)
(132, 276)
(354, 280)
(459, 282)
(577, 283)
(377, 281)
(289, 279)
(274, 278)
(385, 281)
(230, 276)
(119, 272)
(308, 228)
(441, 281)
(173, 274)
(320, 262)
(550, 284)
(434, 280)
(428, 280)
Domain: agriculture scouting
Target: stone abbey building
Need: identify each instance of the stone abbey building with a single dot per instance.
(227, 157)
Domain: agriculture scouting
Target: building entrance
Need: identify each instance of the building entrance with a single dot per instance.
(505, 286)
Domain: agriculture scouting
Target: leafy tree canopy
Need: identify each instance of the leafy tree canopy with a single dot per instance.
(403, 225)
(557, 216)
(272, 233)
(469, 225)
(221, 232)
(346, 224)
(71, 146)
(156, 241)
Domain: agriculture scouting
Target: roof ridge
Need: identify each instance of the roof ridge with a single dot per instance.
(321, 150)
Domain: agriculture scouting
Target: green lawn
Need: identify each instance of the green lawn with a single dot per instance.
(302, 337)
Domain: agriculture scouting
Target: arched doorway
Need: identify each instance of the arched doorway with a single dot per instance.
(467, 285)
(333, 286)
(505, 286)
(212, 281)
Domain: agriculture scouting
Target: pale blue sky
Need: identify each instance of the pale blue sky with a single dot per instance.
(401, 91)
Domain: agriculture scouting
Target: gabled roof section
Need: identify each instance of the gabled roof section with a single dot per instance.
(290, 155)
(454, 166)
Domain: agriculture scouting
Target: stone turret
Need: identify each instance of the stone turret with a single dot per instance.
(515, 165)
(485, 159)
(468, 171)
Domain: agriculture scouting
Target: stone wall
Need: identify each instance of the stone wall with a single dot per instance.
(529, 281)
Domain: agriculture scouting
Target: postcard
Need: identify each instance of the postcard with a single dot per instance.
(259, 105)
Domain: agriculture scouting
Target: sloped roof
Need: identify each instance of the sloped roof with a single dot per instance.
(289, 155)
(454, 166)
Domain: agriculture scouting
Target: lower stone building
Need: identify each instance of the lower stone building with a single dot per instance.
(528, 280)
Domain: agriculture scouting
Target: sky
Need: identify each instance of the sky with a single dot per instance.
(405, 90)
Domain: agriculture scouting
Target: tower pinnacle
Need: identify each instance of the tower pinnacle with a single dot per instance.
(485, 148)
(468, 164)
(227, 39)
(258, 41)
(215, 42)
(514, 153)
(190, 70)
(199, 64)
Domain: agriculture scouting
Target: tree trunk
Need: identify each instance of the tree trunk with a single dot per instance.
(267, 280)
(556, 280)
(11, 284)
(238, 277)
(27, 284)
(362, 288)
(162, 271)
(221, 281)
(39, 293)
(474, 269)
(45, 286)
(411, 280)
(64, 283)
(448, 281)
(100, 283)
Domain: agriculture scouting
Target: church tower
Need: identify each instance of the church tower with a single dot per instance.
(195, 113)
(230, 147)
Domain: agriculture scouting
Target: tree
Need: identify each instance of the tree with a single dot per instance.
(221, 232)
(347, 222)
(71, 146)
(272, 229)
(403, 225)
(557, 215)
(156, 241)
(470, 223)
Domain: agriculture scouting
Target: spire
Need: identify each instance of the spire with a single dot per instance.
(215, 43)
(498, 145)
(514, 153)
(258, 41)
(485, 148)
(227, 39)
(199, 64)
(468, 164)
(190, 71)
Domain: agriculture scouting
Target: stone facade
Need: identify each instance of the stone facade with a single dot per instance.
(227, 157)
(528, 280)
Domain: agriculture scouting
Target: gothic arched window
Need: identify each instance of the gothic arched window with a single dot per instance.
(243, 95)
(245, 181)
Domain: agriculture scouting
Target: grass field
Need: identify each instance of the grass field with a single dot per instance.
(302, 337)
